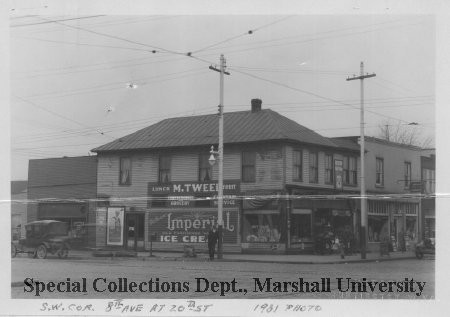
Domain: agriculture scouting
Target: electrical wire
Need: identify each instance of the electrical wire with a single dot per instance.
(141, 82)
(54, 21)
(312, 94)
(296, 106)
(249, 32)
(57, 114)
(154, 47)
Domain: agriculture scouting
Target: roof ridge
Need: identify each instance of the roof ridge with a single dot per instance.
(276, 125)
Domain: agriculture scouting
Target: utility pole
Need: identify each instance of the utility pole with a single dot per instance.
(220, 159)
(364, 218)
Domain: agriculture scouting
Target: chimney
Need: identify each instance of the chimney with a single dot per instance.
(256, 105)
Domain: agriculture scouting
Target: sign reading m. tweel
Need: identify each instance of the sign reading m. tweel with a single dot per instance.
(185, 194)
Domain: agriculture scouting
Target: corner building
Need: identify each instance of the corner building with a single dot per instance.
(282, 181)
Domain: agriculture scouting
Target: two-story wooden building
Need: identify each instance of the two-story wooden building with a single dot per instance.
(393, 206)
(428, 202)
(282, 183)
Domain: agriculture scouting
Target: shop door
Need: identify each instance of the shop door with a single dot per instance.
(398, 233)
(134, 232)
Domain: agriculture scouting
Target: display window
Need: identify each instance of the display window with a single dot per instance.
(301, 223)
(378, 228)
(430, 227)
(262, 227)
(411, 228)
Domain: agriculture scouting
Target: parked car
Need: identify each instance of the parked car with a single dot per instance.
(43, 237)
(427, 246)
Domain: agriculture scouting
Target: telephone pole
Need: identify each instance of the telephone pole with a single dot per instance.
(364, 218)
(220, 159)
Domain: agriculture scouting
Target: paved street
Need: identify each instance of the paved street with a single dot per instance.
(142, 270)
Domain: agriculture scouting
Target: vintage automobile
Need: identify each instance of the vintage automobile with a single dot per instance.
(42, 237)
(427, 246)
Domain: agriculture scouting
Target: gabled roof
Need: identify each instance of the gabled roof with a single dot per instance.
(239, 127)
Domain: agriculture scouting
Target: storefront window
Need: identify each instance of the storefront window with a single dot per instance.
(378, 228)
(411, 231)
(262, 227)
(430, 227)
(300, 227)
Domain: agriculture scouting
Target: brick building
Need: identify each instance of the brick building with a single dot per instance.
(18, 208)
(64, 189)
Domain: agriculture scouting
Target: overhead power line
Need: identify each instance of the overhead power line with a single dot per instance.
(154, 47)
(249, 32)
(58, 115)
(53, 21)
(311, 93)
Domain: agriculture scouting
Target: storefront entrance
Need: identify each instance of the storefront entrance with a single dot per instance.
(134, 231)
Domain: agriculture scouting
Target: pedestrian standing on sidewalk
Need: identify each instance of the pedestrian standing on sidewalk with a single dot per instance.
(213, 236)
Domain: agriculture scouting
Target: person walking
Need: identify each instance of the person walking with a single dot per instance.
(213, 236)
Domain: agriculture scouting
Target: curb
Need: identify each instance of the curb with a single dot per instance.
(205, 259)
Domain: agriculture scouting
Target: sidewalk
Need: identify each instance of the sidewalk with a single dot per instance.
(258, 258)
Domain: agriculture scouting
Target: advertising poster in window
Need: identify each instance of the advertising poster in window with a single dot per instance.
(114, 233)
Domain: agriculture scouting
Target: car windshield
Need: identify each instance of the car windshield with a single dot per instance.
(58, 228)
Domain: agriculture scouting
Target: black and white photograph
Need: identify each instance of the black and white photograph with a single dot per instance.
(166, 162)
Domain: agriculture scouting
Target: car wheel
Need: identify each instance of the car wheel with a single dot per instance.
(41, 252)
(13, 250)
(419, 254)
(63, 252)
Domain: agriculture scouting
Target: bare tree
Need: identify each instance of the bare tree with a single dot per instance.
(410, 134)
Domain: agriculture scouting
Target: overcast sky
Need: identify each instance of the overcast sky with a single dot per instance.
(78, 82)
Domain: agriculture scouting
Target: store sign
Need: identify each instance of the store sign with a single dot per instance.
(415, 187)
(185, 194)
(338, 173)
(114, 232)
(191, 226)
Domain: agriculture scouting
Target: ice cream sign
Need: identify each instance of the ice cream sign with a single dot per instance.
(191, 226)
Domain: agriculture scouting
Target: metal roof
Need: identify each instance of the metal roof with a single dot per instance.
(367, 138)
(239, 127)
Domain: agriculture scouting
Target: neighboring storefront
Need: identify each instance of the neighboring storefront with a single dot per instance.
(74, 214)
(393, 221)
(312, 213)
(263, 222)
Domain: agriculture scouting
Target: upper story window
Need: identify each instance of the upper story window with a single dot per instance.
(204, 168)
(428, 178)
(328, 169)
(349, 170)
(165, 162)
(313, 168)
(353, 170)
(379, 176)
(248, 167)
(125, 171)
(297, 165)
(407, 174)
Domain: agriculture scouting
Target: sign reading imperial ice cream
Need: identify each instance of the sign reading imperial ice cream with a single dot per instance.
(194, 194)
(191, 226)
